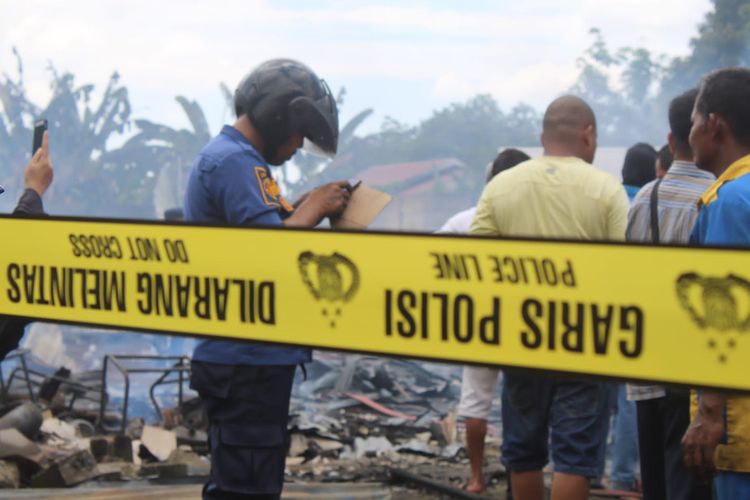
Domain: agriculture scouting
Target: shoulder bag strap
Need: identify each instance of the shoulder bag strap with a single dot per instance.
(654, 209)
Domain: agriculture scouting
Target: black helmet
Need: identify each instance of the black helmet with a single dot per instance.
(282, 97)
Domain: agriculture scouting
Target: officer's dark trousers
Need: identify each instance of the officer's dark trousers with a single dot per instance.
(661, 424)
(248, 410)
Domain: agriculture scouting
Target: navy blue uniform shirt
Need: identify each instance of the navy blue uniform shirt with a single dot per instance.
(231, 182)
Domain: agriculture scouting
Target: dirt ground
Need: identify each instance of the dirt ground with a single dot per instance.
(452, 474)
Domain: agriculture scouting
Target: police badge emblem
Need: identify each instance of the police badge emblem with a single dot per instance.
(721, 306)
(331, 278)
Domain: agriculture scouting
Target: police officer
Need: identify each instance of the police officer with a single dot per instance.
(37, 178)
(246, 386)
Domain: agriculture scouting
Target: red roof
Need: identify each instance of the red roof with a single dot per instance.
(381, 175)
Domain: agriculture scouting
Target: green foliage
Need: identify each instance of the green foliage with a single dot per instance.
(633, 107)
(471, 131)
(15, 123)
(80, 130)
(639, 74)
(105, 167)
(164, 155)
(90, 176)
(628, 88)
(723, 41)
(625, 109)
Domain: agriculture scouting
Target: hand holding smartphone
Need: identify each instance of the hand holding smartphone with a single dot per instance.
(38, 174)
(40, 127)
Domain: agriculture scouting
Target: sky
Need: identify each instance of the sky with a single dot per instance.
(403, 58)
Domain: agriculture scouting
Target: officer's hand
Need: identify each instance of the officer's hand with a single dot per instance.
(38, 174)
(331, 199)
(328, 200)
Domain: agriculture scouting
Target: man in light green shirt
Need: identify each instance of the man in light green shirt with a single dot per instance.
(559, 195)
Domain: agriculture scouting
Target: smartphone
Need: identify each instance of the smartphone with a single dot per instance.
(40, 127)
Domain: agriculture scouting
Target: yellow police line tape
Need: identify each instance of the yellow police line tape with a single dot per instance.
(665, 314)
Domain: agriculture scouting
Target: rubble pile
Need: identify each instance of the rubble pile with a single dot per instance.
(43, 451)
(358, 418)
(352, 419)
(56, 430)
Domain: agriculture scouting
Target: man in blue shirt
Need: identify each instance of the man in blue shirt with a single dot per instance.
(718, 438)
(246, 386)
(663, 413)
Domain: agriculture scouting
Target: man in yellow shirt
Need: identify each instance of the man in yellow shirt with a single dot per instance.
(559, 195)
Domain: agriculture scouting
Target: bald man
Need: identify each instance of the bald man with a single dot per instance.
(558, 195)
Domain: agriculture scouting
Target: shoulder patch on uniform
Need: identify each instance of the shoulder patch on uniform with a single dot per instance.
(270, 190)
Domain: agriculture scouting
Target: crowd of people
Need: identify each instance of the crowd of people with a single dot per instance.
(693, 190)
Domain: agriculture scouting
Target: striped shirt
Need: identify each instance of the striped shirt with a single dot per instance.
(678, 195)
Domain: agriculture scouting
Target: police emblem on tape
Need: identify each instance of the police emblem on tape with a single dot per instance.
(719, 305)
(330, 278)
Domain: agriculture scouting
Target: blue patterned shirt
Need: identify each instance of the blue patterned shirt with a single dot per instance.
(679, 192)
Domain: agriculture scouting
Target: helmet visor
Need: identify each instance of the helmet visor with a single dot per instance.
(318, 122)
(310, 147)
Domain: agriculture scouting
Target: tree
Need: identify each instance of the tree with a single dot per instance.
(633, 106)
(640, 74)
(15, 122)
(723, 41)
(621, 105)
(165, 154)
(470, 131)
(139, 179)
(79, 127)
